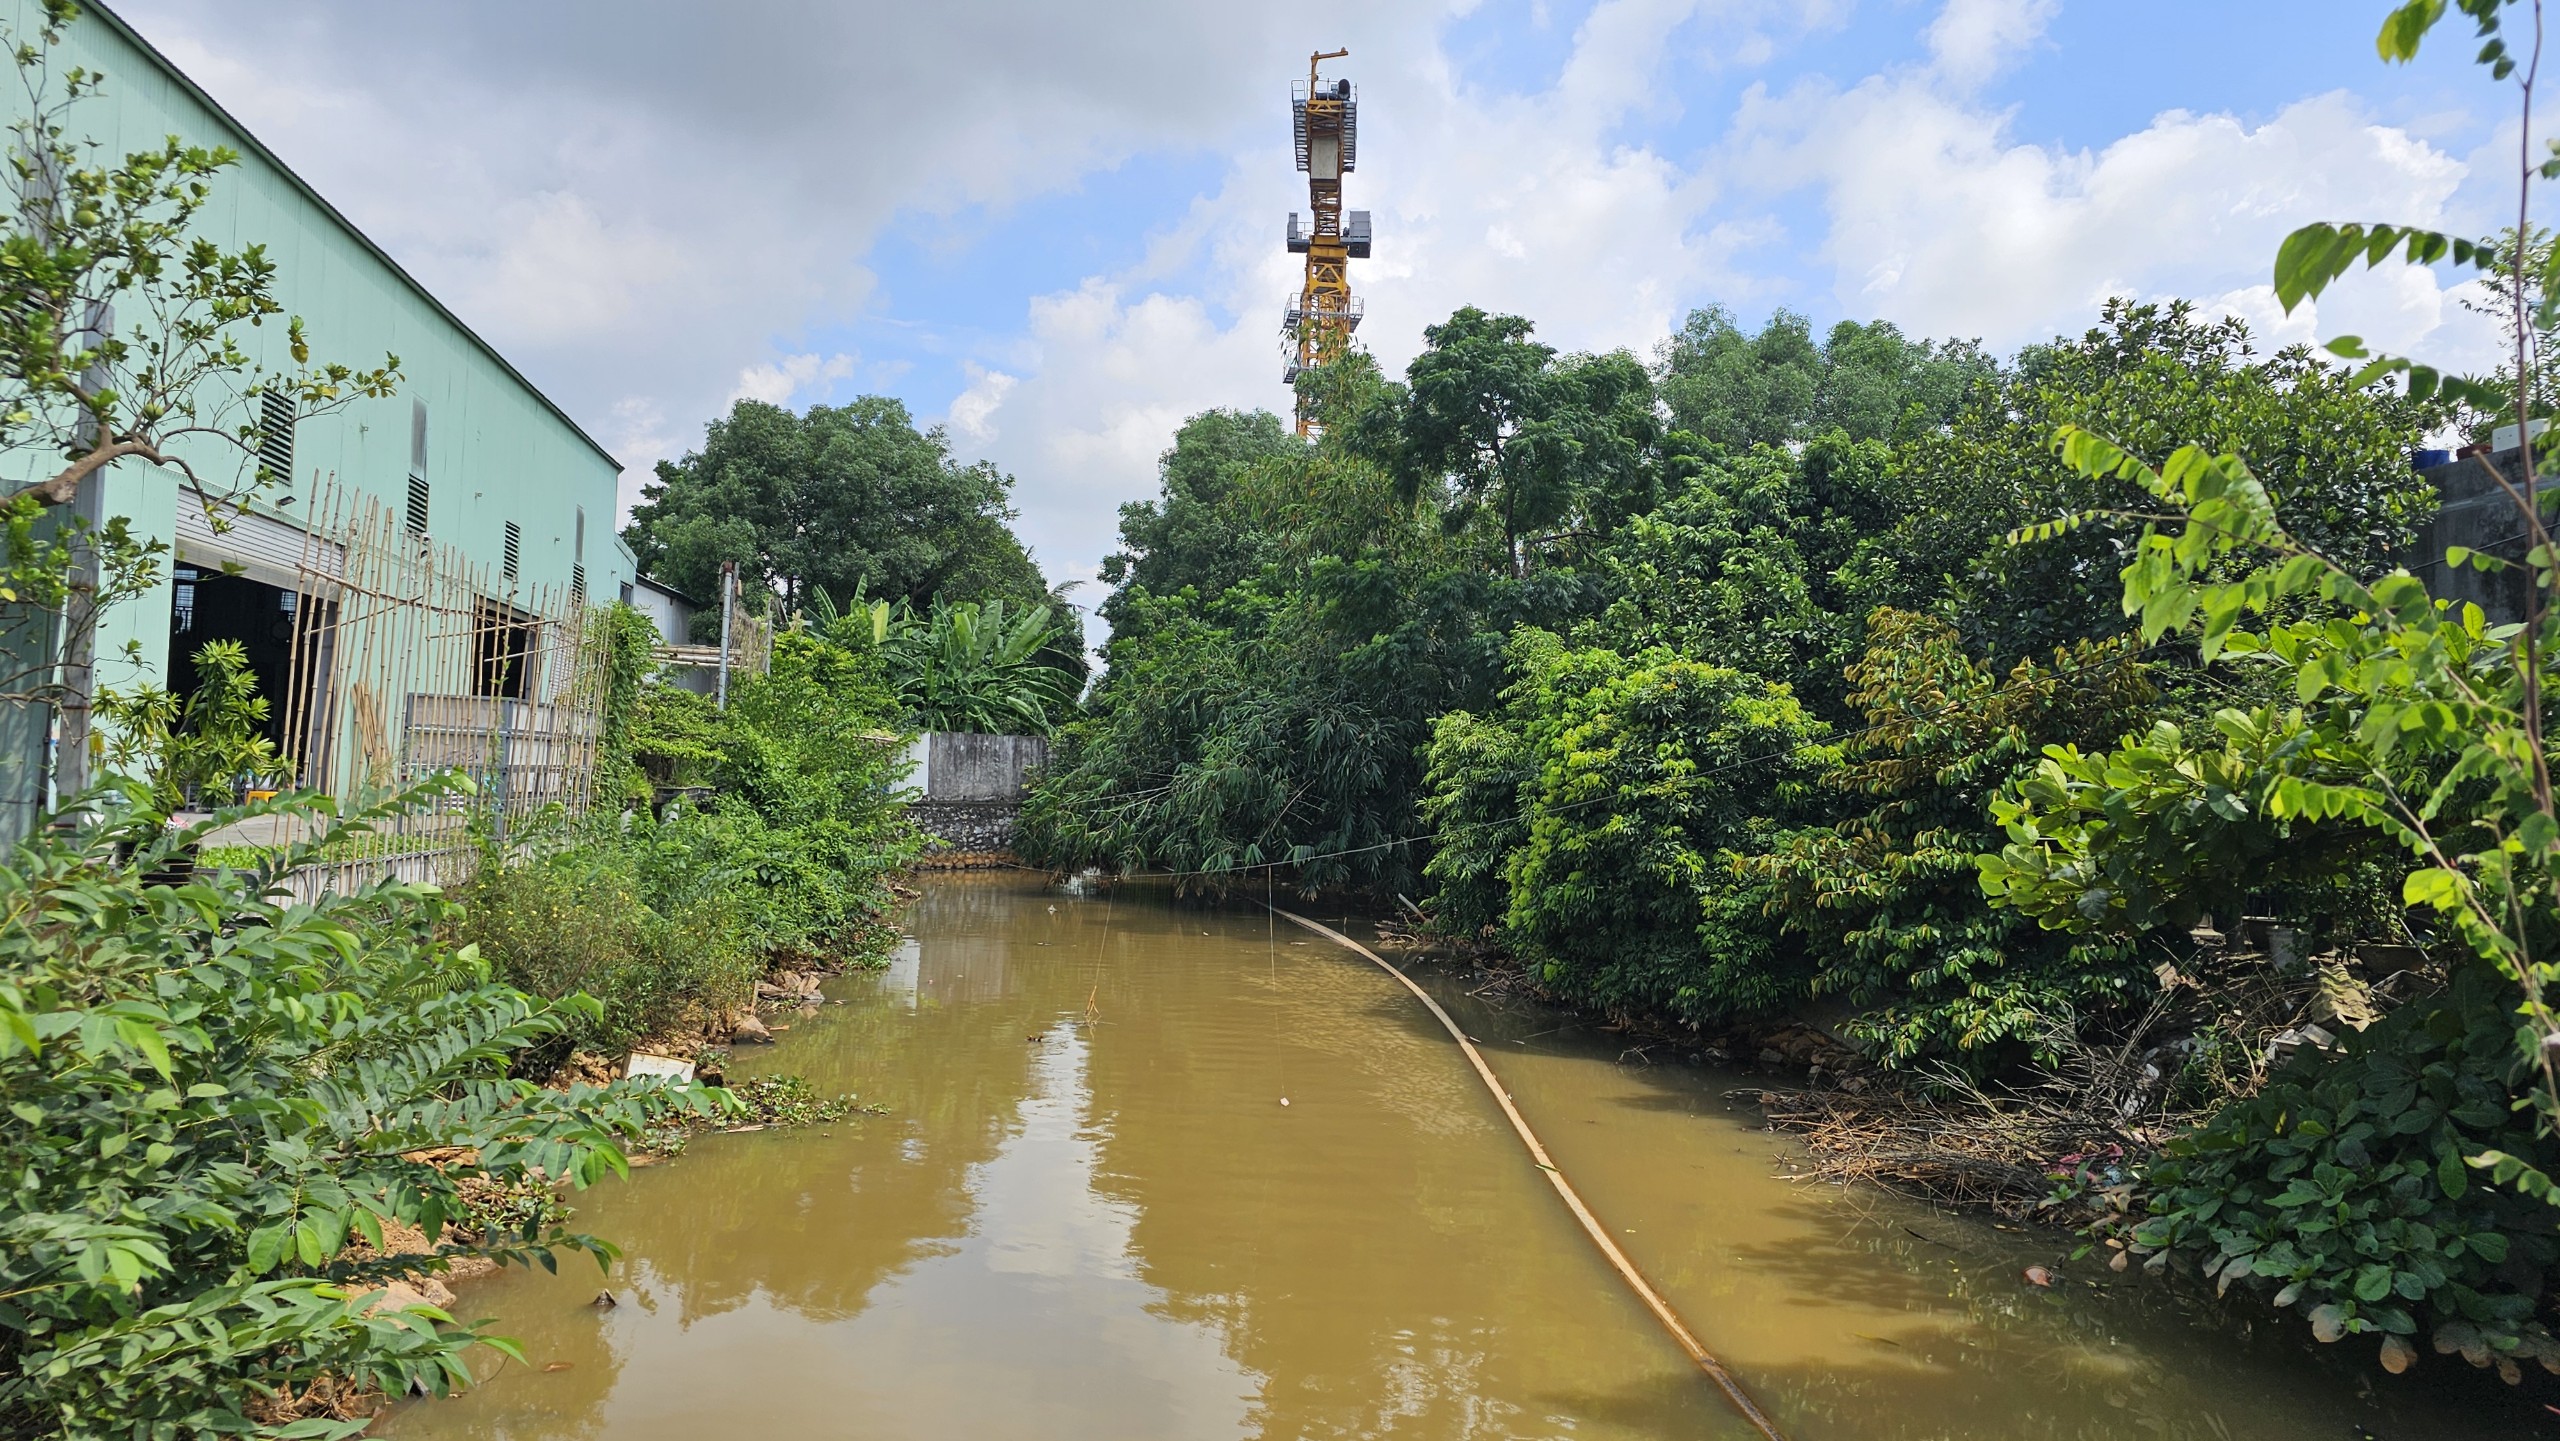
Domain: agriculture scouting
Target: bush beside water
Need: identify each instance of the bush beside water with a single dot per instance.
(214, 1095)
(670, 919)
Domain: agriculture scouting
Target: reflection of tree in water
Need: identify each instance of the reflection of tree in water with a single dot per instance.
(2128, 1356)
(1967, 1347)
(808, 1223)
(1368, 1247)
(812, 1224)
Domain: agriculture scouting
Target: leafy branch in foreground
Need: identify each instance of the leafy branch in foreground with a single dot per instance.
(214, 1097)
(120, 326)
(2414, 735)
(2417, 721)
(2411, 719)
(2407, 726)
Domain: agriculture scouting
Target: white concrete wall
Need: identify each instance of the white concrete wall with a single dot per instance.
(957, 768)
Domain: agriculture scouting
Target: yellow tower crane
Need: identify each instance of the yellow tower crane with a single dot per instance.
(1324, 122)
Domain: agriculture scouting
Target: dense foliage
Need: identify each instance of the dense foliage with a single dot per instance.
(1868, 382)
(1887, 895)
(2342, 1188)
(1632, 780)
(1276, 712)
(670, 914)
(219, 1101)
(2378, 739)
(984, 669)
(1766, 679)
(843, 501)
(1700, 725)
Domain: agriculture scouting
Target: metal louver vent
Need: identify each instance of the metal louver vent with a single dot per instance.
(578, 584)
(513, 550)
(275, 437)
(417, 517)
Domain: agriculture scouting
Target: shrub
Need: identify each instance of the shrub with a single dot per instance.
(201, 746)
(1887, 900)
(667, 920)
(213, 1095)
(2342, 1186)
(1644, 776)
(578, 915)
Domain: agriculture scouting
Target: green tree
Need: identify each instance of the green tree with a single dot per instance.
(2160, 376)
(1273, 722)
(1868, 381)
(846, 501)
(123, 329)
(1885, 899)
(1637, 780)
(1201, 532)
(1503, 432)
(1754, 562)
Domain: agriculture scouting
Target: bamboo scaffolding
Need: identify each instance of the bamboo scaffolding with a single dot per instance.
(409, 659)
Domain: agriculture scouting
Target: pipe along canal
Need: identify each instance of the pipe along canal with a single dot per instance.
(1086, 1215)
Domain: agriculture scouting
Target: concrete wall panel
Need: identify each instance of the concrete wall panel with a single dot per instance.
(973, 768)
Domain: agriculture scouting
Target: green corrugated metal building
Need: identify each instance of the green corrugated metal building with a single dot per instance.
(479, 467)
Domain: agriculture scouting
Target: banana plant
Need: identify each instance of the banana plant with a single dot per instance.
(971, 667)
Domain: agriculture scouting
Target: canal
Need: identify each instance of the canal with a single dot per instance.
(1148, 1170)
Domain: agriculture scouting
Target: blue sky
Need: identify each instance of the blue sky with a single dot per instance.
(953, 283)
(1056, 227)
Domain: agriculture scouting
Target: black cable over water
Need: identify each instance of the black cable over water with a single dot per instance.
(1599, 1234)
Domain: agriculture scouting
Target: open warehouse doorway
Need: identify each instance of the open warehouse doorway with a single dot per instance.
(275, 627)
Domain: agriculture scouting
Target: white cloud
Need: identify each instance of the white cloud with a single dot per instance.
(654, 206)
(1973, 40)
(1113, 376)
(639, 426)
(973, 411)
(777, 382)
(641, 201)
(566, 274)
(1942, 223)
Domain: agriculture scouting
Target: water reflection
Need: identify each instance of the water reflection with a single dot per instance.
(1087, 1214)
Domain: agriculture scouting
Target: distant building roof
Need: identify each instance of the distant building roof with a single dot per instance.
(662, 588)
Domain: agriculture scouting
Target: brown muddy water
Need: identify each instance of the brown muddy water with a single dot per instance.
(1086, 1215)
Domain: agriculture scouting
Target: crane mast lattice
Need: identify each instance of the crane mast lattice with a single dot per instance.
(1316, 326)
